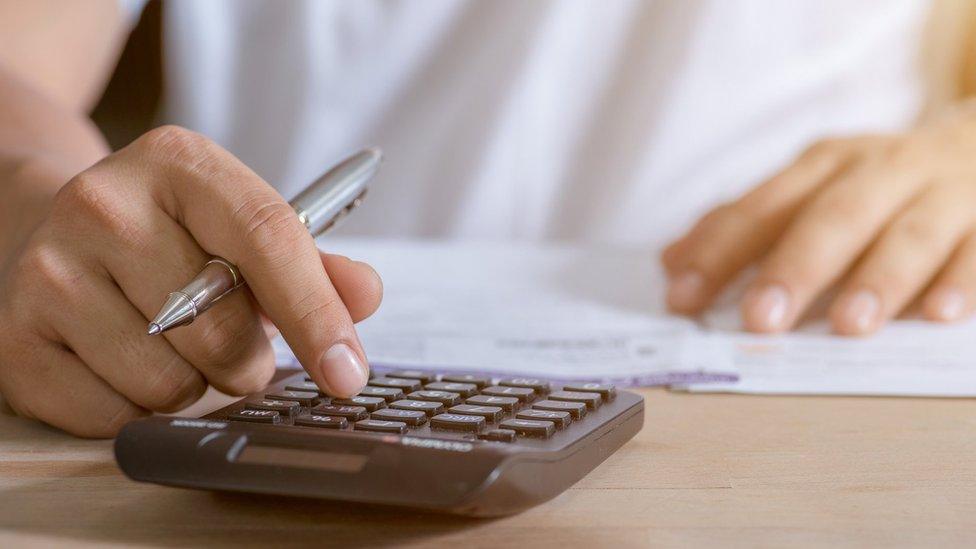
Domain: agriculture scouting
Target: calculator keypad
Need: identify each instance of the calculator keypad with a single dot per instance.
(460, 406)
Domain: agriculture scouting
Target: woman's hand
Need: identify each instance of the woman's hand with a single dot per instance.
(76, 294)
(887, 218)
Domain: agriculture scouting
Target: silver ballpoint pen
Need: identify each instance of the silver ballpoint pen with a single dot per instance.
(319, 207)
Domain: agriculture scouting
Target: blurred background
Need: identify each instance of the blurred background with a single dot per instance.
(611, 122)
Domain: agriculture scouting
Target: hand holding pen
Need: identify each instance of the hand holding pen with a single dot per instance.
(125, 233)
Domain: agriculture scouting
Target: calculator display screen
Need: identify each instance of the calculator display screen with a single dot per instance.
(303, 459)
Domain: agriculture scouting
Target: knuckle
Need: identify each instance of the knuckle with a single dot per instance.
(174, 387)
(249, 377)
(45, 265)
(316, 306)
(91, 198)
(224, 339)
(271, 229)
(834, 208)
(177, 145)
(916, 232)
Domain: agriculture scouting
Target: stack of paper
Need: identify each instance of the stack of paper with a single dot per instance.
(567, 312)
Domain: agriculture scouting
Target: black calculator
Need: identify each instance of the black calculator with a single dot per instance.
(460, 443)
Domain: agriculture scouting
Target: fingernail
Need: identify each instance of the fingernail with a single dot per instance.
(685, 291)
(766, 308)
(946, 304)
(859, 312)
(343, 370)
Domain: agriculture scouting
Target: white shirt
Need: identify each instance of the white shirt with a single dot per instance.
(614, 121)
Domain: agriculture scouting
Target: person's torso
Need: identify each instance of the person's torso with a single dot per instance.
(613, 121)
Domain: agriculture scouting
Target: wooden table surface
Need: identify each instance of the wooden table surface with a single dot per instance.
(706, 470)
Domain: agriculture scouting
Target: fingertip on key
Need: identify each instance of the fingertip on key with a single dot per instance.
(344, 372)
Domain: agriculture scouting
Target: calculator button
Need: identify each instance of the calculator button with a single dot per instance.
(303, 386)
(406, 385)
(479, 381)
(575, 409)
(457, 422)
(560, 419)
(388, 394)
(256, 416)
(410, 417)
(445, 398)
(352, 413)
(305, 398)
(490, 413)
(429, 408)
(286, 408)
(370, 403)
(380, 426)
(498, 435)
(509, 404)
(423, 377)
(463, 389)
(328, 422)
(524, 395)
(592, 400)
(529, 427)
(540, 387)
(606, 391)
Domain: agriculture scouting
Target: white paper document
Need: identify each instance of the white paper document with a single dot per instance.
(559, 312)
(572, 313)
(907, 358)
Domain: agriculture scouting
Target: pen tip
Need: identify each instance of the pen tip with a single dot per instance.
(154, 329)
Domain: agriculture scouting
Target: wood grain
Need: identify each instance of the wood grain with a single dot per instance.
(706, 470)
